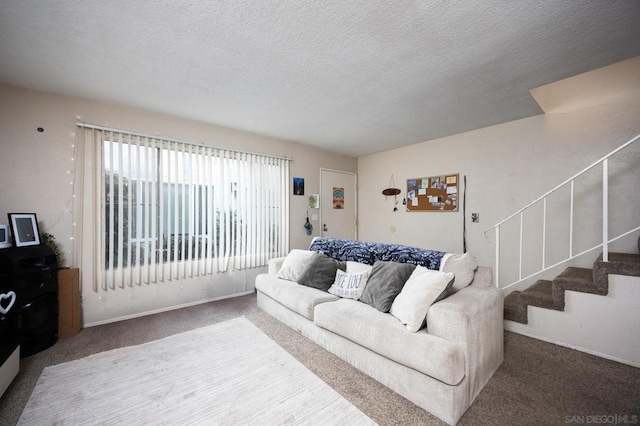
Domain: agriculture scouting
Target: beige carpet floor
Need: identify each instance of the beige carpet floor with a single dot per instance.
(537, 384)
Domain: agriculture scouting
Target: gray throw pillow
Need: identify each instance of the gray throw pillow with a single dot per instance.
(385, 283)
(321, 272)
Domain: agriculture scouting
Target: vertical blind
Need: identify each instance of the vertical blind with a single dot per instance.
(168, 210)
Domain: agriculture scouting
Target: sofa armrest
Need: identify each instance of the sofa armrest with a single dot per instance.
(274, 265)
(472, 317)
(483, 277)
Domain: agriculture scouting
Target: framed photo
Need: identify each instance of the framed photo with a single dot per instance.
(338, 197)
(314, 201)
(298, 186)
(24, 228)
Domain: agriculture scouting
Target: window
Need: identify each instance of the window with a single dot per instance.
(170, 210)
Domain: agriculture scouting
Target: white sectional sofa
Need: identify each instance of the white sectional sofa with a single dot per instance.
(441, 368)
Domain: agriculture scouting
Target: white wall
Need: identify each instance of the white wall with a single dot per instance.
(507, 166)
(510, 165)
(34, 174)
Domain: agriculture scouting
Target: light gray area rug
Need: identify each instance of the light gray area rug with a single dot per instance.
(229, 373)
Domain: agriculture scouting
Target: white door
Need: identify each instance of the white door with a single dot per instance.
(338, 204)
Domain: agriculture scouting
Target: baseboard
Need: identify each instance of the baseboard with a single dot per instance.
(167, 309)
(566, 345)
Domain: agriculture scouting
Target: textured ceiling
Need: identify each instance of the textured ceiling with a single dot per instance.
(353, 77)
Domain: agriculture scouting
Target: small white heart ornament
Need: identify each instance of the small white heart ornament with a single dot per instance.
(12, 299)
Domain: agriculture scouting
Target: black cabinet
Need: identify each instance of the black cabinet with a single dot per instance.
(30, 272)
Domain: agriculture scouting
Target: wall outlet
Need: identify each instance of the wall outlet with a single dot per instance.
(475, 217)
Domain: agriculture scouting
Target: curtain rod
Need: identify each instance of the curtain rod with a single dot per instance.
(110, 129)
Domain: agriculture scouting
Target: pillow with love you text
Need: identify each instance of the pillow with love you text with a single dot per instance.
(349, 285)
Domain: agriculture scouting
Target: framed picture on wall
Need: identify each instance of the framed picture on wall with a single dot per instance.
(338, 198)
(24, 228)
(298, 186)
(314, 201)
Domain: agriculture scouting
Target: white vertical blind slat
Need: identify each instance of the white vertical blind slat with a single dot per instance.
(183, 200)
(218, 243)
(249, 200)
(176, 216)
(272, 208)
(285, 191)
(194, 214)
(165, 189)
(128, 272)
(120, 227)
(145, 251)
(110, 225)
(237, 221)
(264, 195)
(226, 228)
(202, 213)
(233, 179)
(139, 203)
(242, 207)
(155, 213)
(96, 140)
(207, 226)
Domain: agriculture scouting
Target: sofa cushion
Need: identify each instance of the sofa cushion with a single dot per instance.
(384, 284)
(423, 288)
(463, 266)
(320, 273)
(294, 264)
(382, 333)
(350, 286)
(299, 298)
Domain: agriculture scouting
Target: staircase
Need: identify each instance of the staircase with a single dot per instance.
(551, 294)
(531, 248)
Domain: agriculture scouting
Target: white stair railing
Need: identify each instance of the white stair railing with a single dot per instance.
(543, 198)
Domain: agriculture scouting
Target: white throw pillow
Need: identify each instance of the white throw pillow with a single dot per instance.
(294, 264)
(349, 286)
(463, 267)
(423, 288)
(355, 267)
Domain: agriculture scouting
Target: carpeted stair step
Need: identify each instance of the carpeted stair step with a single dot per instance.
(550, 294)
(576, 279)
(619, 263)
(622, 263)
(540, 294)
(514, 310)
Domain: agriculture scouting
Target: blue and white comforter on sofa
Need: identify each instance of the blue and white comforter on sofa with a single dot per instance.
(369, 253)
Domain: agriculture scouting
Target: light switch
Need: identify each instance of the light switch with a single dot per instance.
(314, 216)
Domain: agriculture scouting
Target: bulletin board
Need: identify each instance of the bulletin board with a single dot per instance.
(434, 193)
